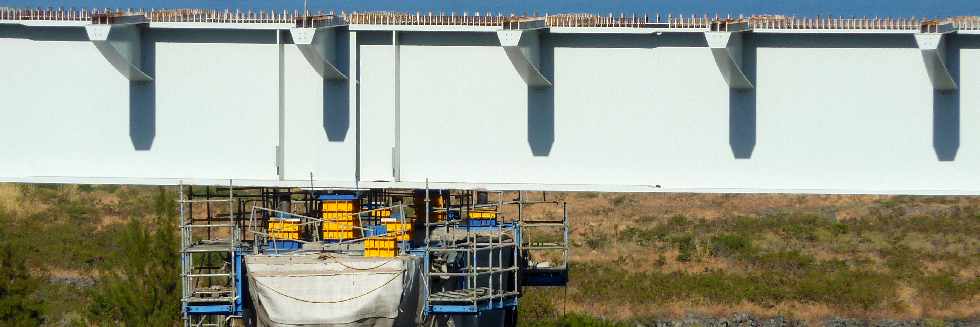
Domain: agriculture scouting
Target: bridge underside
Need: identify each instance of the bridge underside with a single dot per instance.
(536, 107)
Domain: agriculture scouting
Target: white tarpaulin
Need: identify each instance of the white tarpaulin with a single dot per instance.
(325, 289)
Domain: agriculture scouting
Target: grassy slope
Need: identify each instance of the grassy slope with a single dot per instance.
(639, 256)
(69, 235)
(635, 256)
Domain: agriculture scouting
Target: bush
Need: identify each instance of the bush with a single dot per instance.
(580, 320)
(787, 261)
(19, 305)
(536, 308)
(140, 284)
(732, 245)
(944, 288)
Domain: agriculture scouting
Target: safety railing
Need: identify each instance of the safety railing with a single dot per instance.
(59, 14)
(831, 23)
(506, 21)
(418, 18)
(965, 23)
(221, 16)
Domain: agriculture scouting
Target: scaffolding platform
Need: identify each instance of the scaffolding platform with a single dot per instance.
(536, 272)
(471, 300)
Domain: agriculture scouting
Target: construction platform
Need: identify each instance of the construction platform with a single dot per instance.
(376, 257)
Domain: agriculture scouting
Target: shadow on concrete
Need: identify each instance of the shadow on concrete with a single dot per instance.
(336, 95)
(742, 123)
(818, 41)
(142, 100)
(541, 105)
(39, 33)
(946, 110)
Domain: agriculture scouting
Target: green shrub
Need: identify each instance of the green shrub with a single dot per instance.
(945, 288)
(139, 286)
(536, 308)
(787, 261)
(580, 320)
(846, 288)
(19, 305)
(732, 245)
(685, 246)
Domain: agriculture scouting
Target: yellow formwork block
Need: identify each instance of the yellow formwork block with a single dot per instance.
(284, 235)
(382, 213)
(338, 235)
(338, 216)
(482, 214)
(286, 229)
(380, 246)
(333, 230)
(403, 232)
(339, 206)
(339, 221)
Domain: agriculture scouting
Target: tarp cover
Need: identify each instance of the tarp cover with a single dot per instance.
(325, 289)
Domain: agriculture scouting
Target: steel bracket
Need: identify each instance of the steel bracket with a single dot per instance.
(121, 44)
(933, 50)
(318, 45)
(726, 47)
(523, 48)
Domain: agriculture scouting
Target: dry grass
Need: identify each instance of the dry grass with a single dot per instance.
(882, 238)
(642, 234)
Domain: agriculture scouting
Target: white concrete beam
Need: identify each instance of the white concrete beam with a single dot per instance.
(726, 47)
(523, 48)
(318, 45)
(934, 55)
(121, 45)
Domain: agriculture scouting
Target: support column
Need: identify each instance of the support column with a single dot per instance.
(281, 103)
(319, 46)
(354, 93)
(119, 40)
(934, 55)
(522, 47)
(396, 170)
(726, 47)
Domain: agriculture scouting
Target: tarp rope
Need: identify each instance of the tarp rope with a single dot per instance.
(393, 277)
(334, 259)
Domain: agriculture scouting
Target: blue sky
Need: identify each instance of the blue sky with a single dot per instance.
(919, 8)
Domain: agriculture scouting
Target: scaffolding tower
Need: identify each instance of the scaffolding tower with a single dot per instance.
(469, 268)
(539, 237)
(210, 256)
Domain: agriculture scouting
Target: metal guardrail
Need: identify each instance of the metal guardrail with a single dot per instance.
(511, 21)
(968, 23)
(45, 14)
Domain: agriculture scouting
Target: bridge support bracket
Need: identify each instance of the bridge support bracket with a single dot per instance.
(319, 46)
(726, 47)
(121, 43)
(523, 48)
(933, 49)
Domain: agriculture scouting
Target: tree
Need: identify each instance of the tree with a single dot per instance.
(19, 305)
(139, 286)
